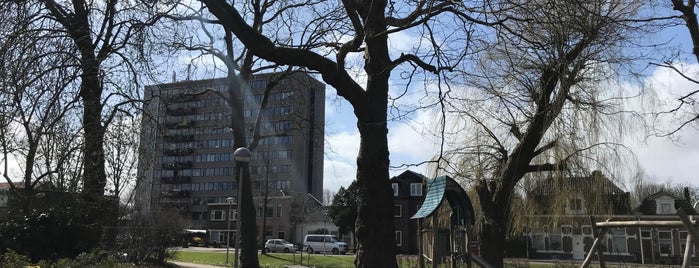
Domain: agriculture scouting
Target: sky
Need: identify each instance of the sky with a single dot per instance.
(663, 160)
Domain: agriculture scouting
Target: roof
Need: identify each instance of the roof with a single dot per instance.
(648, 205)
(409, 176)
(445, 187)
(556, 186)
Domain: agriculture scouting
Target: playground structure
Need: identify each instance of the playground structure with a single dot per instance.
(599, 230)
(444, 220)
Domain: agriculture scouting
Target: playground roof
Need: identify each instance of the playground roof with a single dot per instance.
(445, 187)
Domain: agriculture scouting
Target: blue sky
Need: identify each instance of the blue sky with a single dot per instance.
(663, 159)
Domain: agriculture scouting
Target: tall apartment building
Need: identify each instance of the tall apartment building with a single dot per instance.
(186, 159)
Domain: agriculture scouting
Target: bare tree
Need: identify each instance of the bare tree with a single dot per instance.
(121, 147)
(363, 28)
(537, 101)
(684, 113)
(37, 100)
(101, 38)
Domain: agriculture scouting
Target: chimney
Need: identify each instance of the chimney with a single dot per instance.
(686, 194)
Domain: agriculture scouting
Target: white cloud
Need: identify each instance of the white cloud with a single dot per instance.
(412, 141)
(337, 174)
(342, 146)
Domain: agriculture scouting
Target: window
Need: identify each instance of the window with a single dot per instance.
(665, 242)
(665, 205)
(416, 189)
(683, 243)
(575, 204)
(397, 211)
(399, 238)
(555, 239)
(395, 188)
(279, 211)
(234, 214)
(616, 241)
(218, 215)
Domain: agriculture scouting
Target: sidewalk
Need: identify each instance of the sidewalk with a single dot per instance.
(193, 265)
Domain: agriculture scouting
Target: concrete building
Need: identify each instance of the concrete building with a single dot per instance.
(186, 158)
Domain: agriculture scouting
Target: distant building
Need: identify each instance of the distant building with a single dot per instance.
(561, 228)
(408, 195)
(186, 159)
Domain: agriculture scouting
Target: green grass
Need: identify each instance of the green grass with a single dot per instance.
(270, 260)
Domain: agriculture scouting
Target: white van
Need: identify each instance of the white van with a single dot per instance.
(324, 243)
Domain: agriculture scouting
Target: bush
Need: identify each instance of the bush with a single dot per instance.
(46, 236)
(11, 260)
(148, 237)
(97, 259)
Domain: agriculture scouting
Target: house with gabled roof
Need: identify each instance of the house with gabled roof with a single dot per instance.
(663, 245)
(408, 194)
(561, 227)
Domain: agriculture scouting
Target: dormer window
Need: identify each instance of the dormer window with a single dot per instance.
(665, 206)
(575, 206)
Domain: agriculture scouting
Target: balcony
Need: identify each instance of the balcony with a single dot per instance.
(182, 98)
(175, 194)
(176, 180)
(178, 138)
(180, 124)
(178, 152)
(178, 165)
(174, 205)
(181, 111)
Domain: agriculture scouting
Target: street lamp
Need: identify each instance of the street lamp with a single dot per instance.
(325, 230)
(242, 156)
(228, 235)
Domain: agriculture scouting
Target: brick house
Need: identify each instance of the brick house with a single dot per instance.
(574, 200)
(408, 195)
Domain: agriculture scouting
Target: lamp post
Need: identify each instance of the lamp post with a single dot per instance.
(242, 156)
(228, 235)
(325, 230)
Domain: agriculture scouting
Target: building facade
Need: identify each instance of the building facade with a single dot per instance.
(562, 228)
(408, 195)
(186, 157)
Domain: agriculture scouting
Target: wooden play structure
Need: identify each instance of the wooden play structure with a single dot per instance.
(599, 230)
(444, 223)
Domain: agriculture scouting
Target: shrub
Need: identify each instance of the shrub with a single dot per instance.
(11, 260)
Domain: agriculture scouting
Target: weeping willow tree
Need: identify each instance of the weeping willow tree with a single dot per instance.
(540, 102)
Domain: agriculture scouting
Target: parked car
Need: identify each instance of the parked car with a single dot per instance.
(324, 243)
(279, 245)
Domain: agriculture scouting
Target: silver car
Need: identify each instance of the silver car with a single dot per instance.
(279, 245)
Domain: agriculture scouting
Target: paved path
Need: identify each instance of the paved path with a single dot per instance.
(193, 265)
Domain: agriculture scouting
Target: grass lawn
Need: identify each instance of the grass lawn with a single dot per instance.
(270, 260)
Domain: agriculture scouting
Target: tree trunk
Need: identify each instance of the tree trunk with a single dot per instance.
(248, 226)
(374, 227)
(246, 208)
(493, 242)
